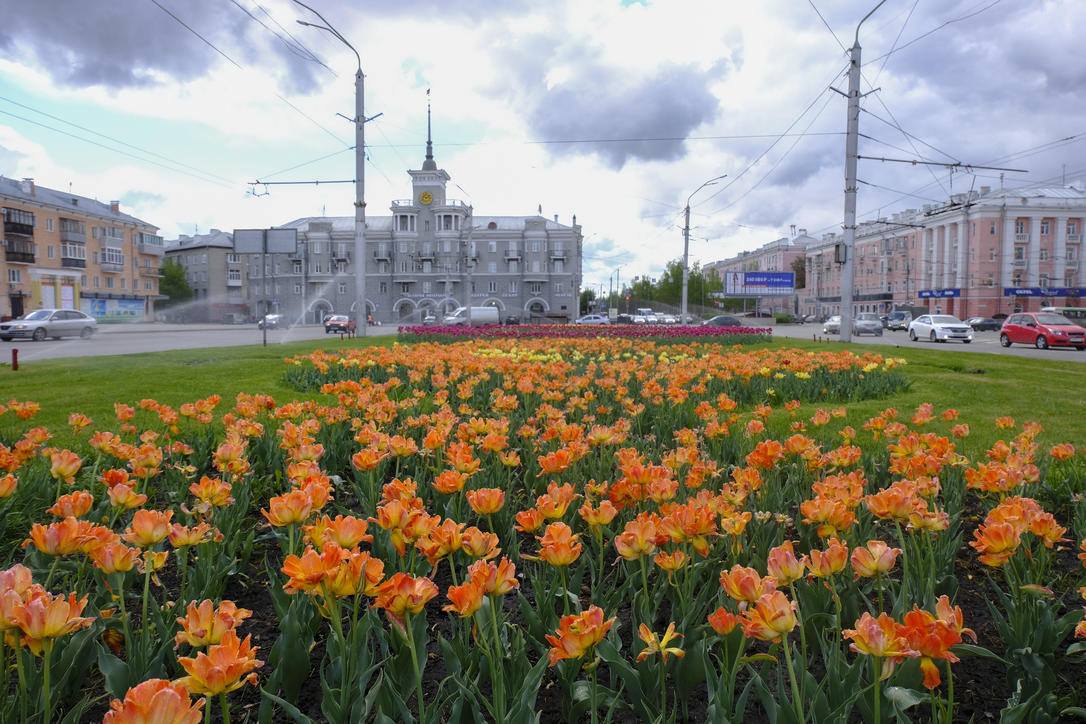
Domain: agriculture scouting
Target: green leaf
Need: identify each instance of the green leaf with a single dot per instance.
(114, 671)
(973, 650)
(523, 708)
(903, 698)
(1076, 711)
(289, 709)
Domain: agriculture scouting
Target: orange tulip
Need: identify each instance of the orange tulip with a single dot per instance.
(73, 505)
(578, 634)
(181, 536)
(637, 539)
(450, 481)
(486, 501)
(881, 637)
(114, 476)
(558, 545)
(8, 483)
(874, 559)
(599, 516)
(145, 462)
(148, 527)
(204, 624)
(225, 667)
(213, 491)
(155, 701)
(115, 558)
(478, 544)
(356, 572)
(290, 508)
(783, 566)
(57, 539)
(307, 571)
(441, 540)
(745, 585)
(368, 458)
(345, 531)
(64, 464)
(403, 594)
(823, 564)
(126, 498)
(529, 521)
(497, 579)
(771, 617)
(460, 455)
(229, 458)
(44, 617)
(659, 645)
(996, 542)
(467, 598)
(723, 621)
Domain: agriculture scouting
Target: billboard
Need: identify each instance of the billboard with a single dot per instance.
(759, 284)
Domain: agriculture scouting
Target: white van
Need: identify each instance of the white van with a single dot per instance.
(479, 316)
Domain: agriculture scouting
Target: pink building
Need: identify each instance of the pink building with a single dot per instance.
(776, 256)
(984, 253)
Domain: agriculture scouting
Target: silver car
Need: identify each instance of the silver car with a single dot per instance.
(940, 328)
(832, 325)
(42, 323)
(867, 323)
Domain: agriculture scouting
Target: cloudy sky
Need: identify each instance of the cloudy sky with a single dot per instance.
(613, 110)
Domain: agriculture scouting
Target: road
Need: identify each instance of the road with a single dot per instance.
(983, 343)
(114, 339)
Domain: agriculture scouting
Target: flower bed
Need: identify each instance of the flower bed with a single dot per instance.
(552, 528)
(735, 335)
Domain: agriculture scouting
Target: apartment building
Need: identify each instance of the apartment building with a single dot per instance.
(984, 253)
(779, 255)
(73, 252)
(216, 275)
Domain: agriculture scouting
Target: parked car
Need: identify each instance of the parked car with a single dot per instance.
(1041, 329)
(429, 319)
(512, 319)
(760, 313)
(981, 324)
(832, 325)
(271, 321)
(940, 328)
(338, 324)
(668, 318)
(592, 319)
(724, 320)
(867, 323)
(623, 319)
(42, 323)
(898, 320)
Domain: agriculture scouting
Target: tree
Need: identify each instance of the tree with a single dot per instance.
(799, 266)
(173, 284)
(587, 297)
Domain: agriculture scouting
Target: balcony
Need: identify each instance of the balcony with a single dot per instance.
(341, 252)
(150, 271)
(1018, 263)
(107, 266)
(70, 234)
(1074, 237)
(18, 228)
(381, 255)
(19, 251)
(512, 255)
(70, 262)
(1022, 238)
(558, 253)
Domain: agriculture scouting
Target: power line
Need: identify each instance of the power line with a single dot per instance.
(297, 48)
(235, 63)
(827, 26)
(938, 28)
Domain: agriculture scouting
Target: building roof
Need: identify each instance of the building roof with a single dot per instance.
(214, 238)
(384, 223)
(84, 206)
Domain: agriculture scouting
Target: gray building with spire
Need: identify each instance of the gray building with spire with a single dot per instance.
(430, 255)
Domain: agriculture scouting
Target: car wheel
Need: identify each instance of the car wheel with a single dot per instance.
(1041, 342)
(86, 333)
(1004, 340)
(1078, 348)
(6, 339)
(39, 334)
(966, 341)
(931, 337)
(912, 335)
(879, 333)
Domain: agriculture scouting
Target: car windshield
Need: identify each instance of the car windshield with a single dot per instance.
(867, 317)
(1053, 319)
(945, 319)
(39, 314)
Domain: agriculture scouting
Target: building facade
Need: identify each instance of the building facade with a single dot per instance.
(72, 252)
(430, 255)
(776, 256)
(215, 274)
(984, 253)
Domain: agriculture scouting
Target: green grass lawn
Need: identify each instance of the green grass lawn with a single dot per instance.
(981, 387)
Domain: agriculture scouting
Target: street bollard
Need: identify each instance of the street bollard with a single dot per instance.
(14, 359)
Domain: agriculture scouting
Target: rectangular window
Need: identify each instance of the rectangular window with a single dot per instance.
(512, 287)
(49, 225)
(109, 282)
(405, 288)
(296, 266)
(558, 287)
(97, 283)
(991, 254)
(50, 252)
(403, 266)
(492, 287)
(341, 288)
(1020, 226)
(14, 276)
(1044, 281)
(1019, 253)
(297, 288)
(233, 275)
(534, 246)
(992, 228)
(559, 266)
(513, 267)
(1044, 254)
(383, 287)
(1072, 226)
(427, 267)
(316, 267)
(493, 247)
(1044, 226)
(1071, 253)
(123, 282)
(991, 279)
(403, 247)
(492, 267)
(315, 247)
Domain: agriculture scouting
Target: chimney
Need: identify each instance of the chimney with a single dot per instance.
(984, 190)
(802, 232)
(115, 206)
(556, 218)
(28, 186)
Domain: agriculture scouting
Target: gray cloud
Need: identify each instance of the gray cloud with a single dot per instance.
(129, 43)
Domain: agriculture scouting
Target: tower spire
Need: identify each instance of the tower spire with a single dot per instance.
(429, 164)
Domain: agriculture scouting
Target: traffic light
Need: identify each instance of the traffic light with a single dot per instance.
(627, 297)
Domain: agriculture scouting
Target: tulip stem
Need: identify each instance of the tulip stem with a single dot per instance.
(876, 663)
(414, 663)
(147, 562)
(225, 706)
(52, 570)
(46, 684)
(22, 681)
(796, 702)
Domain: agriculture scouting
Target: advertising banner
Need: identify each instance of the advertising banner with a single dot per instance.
(759, 284)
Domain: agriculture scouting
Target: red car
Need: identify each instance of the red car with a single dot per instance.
(339, 323)
(1043, 330)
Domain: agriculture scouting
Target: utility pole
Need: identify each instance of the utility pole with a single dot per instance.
(851, 147)
(686, 243)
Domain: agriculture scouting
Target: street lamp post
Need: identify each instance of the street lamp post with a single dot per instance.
(361, 311)
(686, 244)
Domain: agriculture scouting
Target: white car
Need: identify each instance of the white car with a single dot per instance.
(55, 323)
(592, 319)
(940, 328)
(832, 325)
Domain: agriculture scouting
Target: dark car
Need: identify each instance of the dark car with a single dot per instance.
(338, 324)
(624, 319)
(271, 321)
(512, 319)
(724, 320)
(982, 324)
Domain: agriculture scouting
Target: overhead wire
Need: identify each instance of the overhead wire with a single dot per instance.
(294, 46)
